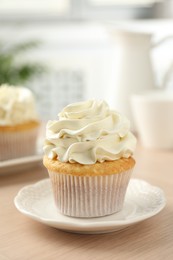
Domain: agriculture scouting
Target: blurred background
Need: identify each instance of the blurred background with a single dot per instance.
(71, 50)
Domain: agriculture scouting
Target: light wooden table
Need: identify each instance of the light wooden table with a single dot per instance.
(22, 238)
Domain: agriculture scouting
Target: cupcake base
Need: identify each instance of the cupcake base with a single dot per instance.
(89, 196)
(19, 141)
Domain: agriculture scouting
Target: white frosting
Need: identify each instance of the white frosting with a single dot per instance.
(87, 132)
(17, 105)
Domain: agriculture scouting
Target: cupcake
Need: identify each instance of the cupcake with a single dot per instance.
(88, 154)
(19, 122)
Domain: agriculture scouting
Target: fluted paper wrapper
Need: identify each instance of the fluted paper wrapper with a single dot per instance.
(18, 144)
(89, 196)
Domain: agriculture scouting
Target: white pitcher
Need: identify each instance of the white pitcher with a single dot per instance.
(133, 69)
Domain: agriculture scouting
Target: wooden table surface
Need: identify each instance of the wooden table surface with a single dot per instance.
(22, 238)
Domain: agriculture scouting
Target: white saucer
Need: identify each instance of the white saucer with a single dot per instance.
(142, 202)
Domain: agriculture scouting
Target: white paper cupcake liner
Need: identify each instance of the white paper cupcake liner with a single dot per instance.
(18, 144)
(93, 196)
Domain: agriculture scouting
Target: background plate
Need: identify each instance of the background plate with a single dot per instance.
(19, 164)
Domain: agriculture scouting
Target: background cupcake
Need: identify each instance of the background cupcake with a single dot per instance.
(88, 156)
(19, 122)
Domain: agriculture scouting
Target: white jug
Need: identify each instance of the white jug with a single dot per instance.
(133, 69)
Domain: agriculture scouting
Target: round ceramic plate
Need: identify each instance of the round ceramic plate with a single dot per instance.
(142, 202)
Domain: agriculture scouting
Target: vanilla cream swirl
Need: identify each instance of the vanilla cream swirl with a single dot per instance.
(87, 132)
(17, 106)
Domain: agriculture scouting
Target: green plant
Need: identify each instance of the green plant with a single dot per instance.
(13, 72)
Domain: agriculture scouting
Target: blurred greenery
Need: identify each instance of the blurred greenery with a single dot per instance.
(11, 71)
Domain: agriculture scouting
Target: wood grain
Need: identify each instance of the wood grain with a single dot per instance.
(23, 238)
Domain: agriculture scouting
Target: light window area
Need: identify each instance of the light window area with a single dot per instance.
(34, 7)
(78, 9)
(123, 2)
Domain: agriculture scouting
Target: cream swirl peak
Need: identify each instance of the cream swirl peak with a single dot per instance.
(87, 132)
(17, 105)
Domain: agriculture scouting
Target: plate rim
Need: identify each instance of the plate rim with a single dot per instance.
(20, 160)
(83, 224)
